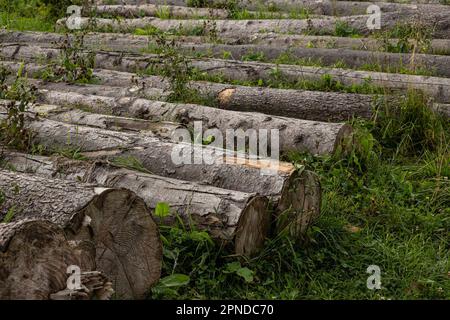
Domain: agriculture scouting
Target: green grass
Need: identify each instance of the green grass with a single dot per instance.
(385, 202)
(381, 206)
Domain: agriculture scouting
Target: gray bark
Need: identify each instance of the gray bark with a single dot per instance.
(301, 104)
(218, 167)
(294, 134)
(134, 43)
(162, 129)
(438, 20)
(132, 11)
(125, 237)
(225, 214)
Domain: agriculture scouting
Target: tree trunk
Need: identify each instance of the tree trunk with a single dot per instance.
(437, 19)
(330, 7)
(34, 257)
(133, 11)
(301, 104)
(294, 134)
(232, 217)
(134, 43)
(161, 129)
(326, 7)
(230, 70)
(117, 222)
(279, 181)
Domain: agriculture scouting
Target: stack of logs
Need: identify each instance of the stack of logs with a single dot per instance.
(99, 216)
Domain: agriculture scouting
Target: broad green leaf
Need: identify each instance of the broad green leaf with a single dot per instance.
(174, 280)
(162, 210)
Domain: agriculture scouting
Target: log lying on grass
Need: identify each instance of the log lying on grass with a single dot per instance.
(437, 19)
(438, 88)
(245, 70)
(34, 257)
(301, 104)
(281, 182)
(162, 129)
(232, 217)
(330, 7)
(326, 7)
(125, 238)
(294, 134)
(136, 43)
(133, 11)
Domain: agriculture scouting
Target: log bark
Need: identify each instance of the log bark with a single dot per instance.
(133, 11)
(439, 65)
(294, 134)
(443, 109)
(117, 222)
(301, 104)
(134, 43)
(234, 218)
(439, 22)
(281, 182)
(34, 256)
(333, 8)
(162, 129)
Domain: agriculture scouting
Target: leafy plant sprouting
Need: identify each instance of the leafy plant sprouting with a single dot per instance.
(13, 133)
(73, 65)
(412, 37)
(176, 68)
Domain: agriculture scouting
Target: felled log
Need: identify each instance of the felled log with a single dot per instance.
(125, 239)
(234, 218)
(94, 285)
(244, 70)
(437, 19)
(319, 7)
(301, 104)
(34, 257)
(330, 7)
(280, 181)
(294, 134)
(443, 109)
(163, 129)
(135, 43)
(132, 11)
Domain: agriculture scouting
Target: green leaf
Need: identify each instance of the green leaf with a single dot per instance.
(232, 267)
(245, 273)
(162, 209)
(174, 280)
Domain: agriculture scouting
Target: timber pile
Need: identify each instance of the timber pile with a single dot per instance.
(274, 74)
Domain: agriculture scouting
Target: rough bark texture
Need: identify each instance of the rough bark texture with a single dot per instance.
(125, 237)
(133, 11)
(438, 88)
(437, 19)
(225, 214)
(301, 104)
(162, 129)
(294, 134)
(206, 165)
(134, 43)
(327, 7)
(34, 256)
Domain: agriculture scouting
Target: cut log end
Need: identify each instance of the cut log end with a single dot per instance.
(253, 227)
(127, 241)
(299, 204)
(343, 139)
(34, 257)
